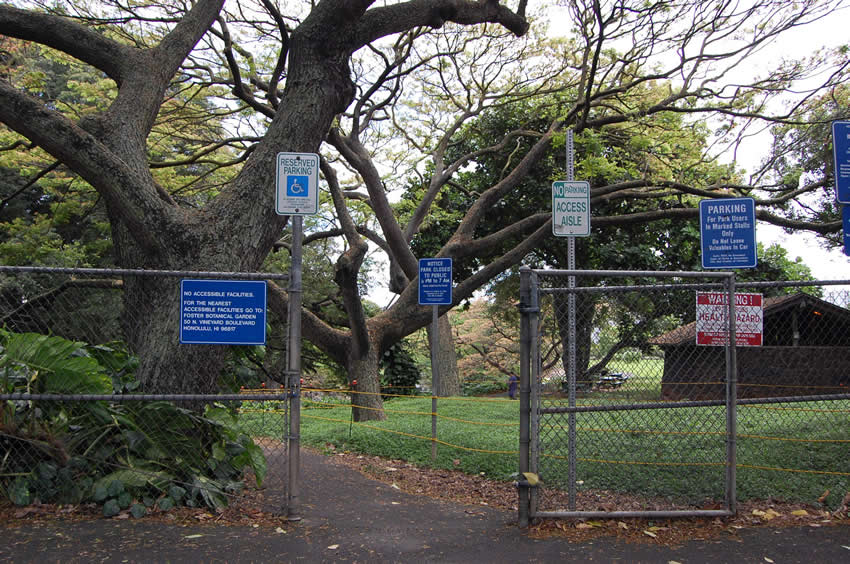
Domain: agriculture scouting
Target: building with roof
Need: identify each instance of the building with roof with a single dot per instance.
(805, 351)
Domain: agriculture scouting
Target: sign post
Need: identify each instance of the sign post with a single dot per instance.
(571, 219)
(296, 194)
(435, 289)
(841, 156)
(728, 233)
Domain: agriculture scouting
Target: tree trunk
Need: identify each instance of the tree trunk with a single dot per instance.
(151, 323)
(584, 324)
(366, 399)
(449, 382)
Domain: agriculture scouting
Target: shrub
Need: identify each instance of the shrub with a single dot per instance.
(122, 455)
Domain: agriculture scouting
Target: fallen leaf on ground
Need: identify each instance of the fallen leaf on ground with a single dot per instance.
(333, 547)
(650, 534)
(800, 512)
(766, 515)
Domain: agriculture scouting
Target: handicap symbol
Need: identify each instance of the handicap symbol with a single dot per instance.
(297, 186)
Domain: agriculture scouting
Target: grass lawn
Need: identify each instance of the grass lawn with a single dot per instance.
(790, 452)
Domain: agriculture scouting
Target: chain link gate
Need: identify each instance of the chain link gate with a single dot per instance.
(73, 419)
(594, 419)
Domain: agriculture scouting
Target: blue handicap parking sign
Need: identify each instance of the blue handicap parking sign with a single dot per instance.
(297, 186)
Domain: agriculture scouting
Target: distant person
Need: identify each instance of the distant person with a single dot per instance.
(512, 384)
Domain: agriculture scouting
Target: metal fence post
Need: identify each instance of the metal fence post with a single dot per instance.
(294, 370)
(524, 391)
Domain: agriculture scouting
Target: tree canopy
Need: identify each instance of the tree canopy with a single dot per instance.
(187, 103)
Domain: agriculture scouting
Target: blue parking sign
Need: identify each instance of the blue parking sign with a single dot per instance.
(728, 233)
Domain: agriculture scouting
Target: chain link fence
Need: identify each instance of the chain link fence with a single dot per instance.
(89, 412)
(649, 413)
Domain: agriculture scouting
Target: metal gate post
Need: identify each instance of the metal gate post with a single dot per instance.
(525, 360)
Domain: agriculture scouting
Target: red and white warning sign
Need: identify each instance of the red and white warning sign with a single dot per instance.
(713, 323)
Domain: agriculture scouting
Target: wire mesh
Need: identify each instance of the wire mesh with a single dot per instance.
(650, 419)
(86, 413)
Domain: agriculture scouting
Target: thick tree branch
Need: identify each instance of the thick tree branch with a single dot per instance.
(353, 152)
(333, 342)
(63, 34)
(126, 191)
(348, 266)
(397, 18)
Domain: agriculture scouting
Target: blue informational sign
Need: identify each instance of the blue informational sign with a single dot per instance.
(435, 281)
(845, 216)
(223, 312)
(841, 160)
(728, 233)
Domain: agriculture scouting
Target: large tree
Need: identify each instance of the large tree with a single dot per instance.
(109, 149)
(388, 86)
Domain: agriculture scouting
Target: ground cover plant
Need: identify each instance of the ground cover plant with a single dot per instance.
(126, 455)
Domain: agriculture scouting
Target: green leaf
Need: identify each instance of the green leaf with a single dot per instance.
(176, 492)
(113, 484)
(115, 488)
(165, 503)
(58, 365)
(218, 452)
(125, 500)
(111, 508)
(137, 510)
(257, 461)
(19, 492)
(100, 492)
(211, 492)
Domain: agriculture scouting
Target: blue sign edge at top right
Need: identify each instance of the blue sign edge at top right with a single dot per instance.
(842, 189)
